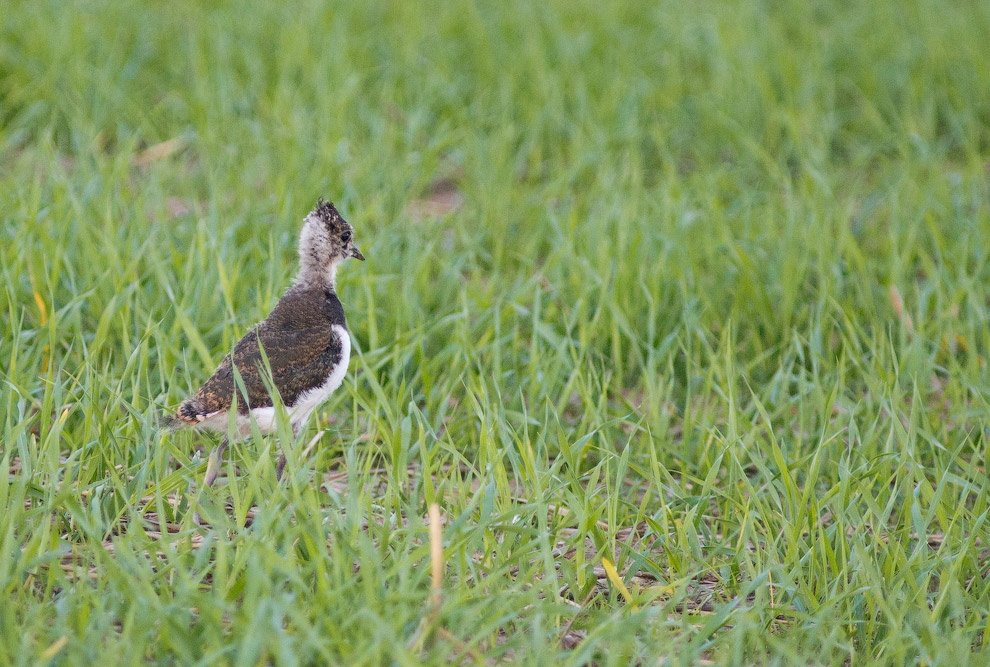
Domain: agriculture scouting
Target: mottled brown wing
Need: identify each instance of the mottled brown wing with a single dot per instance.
(299, 358)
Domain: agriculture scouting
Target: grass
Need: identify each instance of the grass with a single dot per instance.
(678, 313)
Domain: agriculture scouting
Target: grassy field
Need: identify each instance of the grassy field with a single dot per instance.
(677, 312)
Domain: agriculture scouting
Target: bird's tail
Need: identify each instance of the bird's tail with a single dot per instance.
(169, 421)
(188, 414)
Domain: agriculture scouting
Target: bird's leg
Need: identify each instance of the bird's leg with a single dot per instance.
(212, 470)
(216, 459)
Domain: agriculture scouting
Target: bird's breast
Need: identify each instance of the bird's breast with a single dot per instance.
(311, 398)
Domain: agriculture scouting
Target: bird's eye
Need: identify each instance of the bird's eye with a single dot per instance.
(345, 237)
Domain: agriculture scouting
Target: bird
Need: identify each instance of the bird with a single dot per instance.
(304, 338)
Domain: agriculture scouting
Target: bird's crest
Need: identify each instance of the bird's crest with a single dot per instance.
(327, 211)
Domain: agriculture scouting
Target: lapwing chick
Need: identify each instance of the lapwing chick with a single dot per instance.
(304, 338)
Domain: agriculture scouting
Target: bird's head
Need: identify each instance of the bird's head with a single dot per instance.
(326, 240)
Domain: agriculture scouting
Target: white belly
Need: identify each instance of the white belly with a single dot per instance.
(307, 401)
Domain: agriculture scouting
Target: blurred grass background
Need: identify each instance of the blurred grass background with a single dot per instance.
(697, 290)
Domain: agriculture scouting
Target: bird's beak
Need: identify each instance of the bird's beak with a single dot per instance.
(356, 254)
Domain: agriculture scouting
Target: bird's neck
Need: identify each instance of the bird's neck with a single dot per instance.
(318, 277)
